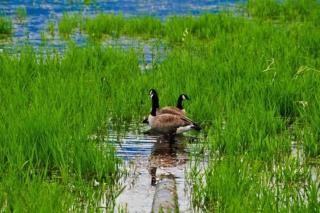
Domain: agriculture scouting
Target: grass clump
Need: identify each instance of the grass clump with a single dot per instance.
(288, 10)
(5, 27)
(51, 29)
(174, 29)
(143, 26)
(244, 185)
(21, 13)
(49, 107)
(104, 24)
(203, 27)
(116, 25)
(68, 23)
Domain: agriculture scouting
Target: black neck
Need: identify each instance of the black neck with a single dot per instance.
(155, 104)
(179, 103)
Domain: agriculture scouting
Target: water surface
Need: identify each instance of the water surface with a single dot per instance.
(147, 157)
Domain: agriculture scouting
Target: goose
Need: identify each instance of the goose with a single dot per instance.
(167, 123)
(178, 110)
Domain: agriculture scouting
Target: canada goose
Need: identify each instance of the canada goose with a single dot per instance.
(168, 123)
(178, 110)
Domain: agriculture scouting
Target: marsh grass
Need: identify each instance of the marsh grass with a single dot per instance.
(288, 10)
(47, 115)
(254, 87)
(174, 29)
(202, 27)
(5, 27)
(21, 13)
(68, 23)
(51, 29)
(244, 184)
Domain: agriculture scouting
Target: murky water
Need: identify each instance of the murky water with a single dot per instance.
(146, 158)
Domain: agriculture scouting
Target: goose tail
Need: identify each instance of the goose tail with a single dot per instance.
(145, 120)
(196, 127)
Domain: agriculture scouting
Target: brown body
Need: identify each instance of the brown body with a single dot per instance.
(171, 110)
(170, 123)
(178, 110)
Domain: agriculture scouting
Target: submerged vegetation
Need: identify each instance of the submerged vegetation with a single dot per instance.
(254, 87)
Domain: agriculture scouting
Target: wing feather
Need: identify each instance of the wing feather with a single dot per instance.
(169, 121)
(170, 110)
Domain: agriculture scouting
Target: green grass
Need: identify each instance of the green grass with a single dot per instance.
(254, 87)
(49, 108)
(51, 29)
(175, 28)
(5, 27)
(21, 13)
(104, 24)
(248, 185)
(288, 10)
(68, 23)
(116, 25)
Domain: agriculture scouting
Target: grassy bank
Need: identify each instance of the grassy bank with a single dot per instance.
(254, 87)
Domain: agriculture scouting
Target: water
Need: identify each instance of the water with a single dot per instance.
(146, 158)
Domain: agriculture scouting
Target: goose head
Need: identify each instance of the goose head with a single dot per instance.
(181, 98)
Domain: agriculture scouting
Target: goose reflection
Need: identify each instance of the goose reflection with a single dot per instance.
(167, 152)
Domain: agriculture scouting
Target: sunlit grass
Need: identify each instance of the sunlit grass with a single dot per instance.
(68, 23)
(254, 87)
(51, 29)
(48, 113)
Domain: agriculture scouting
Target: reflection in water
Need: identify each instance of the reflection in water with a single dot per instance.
(146, 158)
(166, 153)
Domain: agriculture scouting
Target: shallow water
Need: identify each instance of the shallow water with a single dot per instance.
(145, 159)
